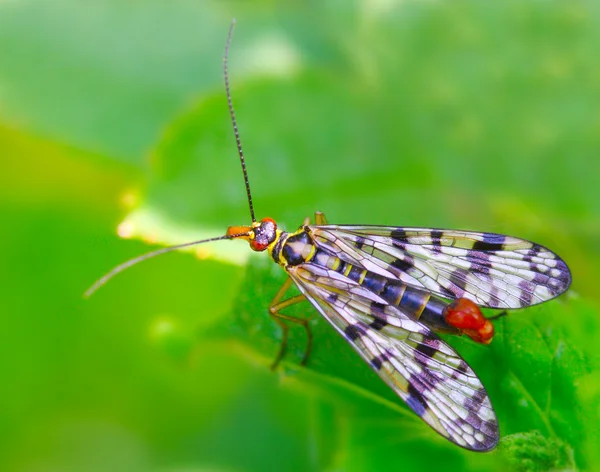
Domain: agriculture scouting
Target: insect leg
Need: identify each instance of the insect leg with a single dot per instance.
(499, 315)
(320, 218)
(275, 311)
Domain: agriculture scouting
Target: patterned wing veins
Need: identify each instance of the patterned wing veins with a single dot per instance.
(434, 381)
(491, 269)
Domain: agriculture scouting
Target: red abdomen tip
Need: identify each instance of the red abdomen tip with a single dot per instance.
(465, 315)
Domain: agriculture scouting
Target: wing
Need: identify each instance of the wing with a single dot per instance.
(434, 381)
(493, 270)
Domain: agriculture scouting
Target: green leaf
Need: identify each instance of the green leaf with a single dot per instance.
(531, 452)
(531, 372)
(460, 114)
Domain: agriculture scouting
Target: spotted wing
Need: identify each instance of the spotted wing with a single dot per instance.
(434, 381)
(493, 270)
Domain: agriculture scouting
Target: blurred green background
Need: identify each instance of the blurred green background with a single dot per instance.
(113, 121)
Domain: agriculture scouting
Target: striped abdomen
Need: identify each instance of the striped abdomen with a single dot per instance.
(299, 248)
(419, 304)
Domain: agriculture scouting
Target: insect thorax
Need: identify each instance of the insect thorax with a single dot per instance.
(292, 249)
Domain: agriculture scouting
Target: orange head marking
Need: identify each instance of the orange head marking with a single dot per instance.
(259, 235)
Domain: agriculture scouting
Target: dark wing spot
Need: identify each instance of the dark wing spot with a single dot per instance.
(426, 350)
(528, 257)
(491, 242)
(477, 257)
(399, 235)
(565, 273)
(495, 299)
(378, 324)
(474, 421)
(399, 238)
(480, 396)
(378, 361)
(359, 243)
(402, 264)
(490, 429)
(481, 268)
(377, 307)
(540, 279)
(474, 402)
(462, 367)
(415, 400)
(458, 278)
(447, 292)
(526, 294)
(353, 332)
(436, 241)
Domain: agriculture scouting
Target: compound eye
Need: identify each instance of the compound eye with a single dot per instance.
(259, 244)
(269, 221)
(264, 234)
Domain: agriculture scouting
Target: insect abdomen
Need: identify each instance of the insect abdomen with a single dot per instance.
(298, 248)
(417, 303)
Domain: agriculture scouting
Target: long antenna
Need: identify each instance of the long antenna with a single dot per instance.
(233, 121)
(126, 265)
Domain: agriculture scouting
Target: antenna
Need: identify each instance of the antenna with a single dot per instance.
(131, 262)
(233, 121)
(126, 265)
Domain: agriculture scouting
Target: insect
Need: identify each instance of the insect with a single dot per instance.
(389, 290)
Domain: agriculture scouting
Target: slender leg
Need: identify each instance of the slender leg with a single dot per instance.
(274, 310)
(320, 218)
(499, 315)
